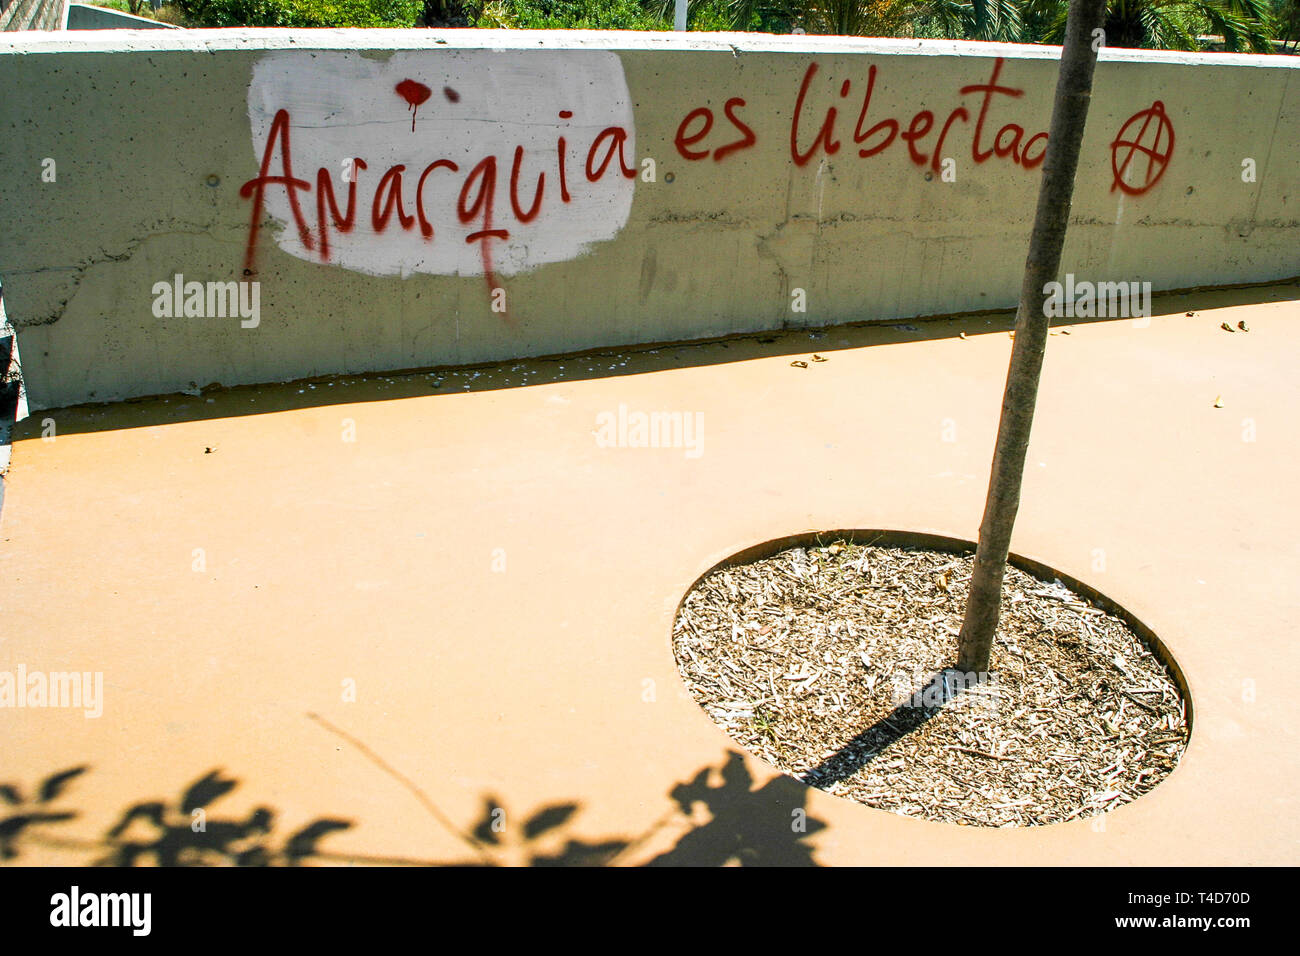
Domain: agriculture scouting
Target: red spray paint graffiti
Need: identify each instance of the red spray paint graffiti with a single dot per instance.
(414, 93)
(1140, 153)
(685, 139)
(1156, 150)
(392, 202)
(694, 139)
(1008, 143)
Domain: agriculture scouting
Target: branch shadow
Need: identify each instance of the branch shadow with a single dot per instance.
(764, 826)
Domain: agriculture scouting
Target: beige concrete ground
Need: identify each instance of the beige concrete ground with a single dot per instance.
(500, 588)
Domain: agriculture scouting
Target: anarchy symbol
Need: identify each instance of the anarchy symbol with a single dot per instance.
(1154, 150)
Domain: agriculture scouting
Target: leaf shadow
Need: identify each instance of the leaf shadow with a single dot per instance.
(745, 825)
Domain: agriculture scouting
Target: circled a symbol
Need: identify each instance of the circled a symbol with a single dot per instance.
(1140, 153)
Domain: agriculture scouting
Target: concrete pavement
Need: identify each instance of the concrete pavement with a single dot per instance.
(404, 603)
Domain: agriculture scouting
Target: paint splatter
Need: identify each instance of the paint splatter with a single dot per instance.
(414, 93)
(452, 95)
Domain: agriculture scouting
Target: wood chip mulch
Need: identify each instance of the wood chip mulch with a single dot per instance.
(828, 662)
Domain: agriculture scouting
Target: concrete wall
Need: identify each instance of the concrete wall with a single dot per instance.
(748, 205)
(31, 14)
(85, 17)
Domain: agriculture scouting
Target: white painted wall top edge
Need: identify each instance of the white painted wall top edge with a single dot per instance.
(162, 41)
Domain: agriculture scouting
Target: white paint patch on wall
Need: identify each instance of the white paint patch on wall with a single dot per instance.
(474, 104)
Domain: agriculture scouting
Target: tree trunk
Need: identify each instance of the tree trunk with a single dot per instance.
(1069, 114)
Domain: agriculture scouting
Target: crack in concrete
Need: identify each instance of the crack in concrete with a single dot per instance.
(80, 269)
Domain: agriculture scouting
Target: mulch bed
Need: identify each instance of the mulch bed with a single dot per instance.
(827, 662)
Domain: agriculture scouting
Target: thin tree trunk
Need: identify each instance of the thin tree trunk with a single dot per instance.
(1069, 114)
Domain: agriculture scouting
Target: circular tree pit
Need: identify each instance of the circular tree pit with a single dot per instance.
(825, 656)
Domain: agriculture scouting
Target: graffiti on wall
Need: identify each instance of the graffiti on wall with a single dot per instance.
(1140, 152)
(493, 163)
(1010, 142)
(463, 163)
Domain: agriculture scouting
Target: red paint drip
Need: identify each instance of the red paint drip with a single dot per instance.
(414, 93)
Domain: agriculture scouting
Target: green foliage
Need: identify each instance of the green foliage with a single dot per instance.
(565, 15)
(716, 16)
(356, 13)
(301, 13)
(1245, 25)
(170, 13)
(754, 16)
(1286, 18)
(993, 20)
(1169, 24)
(137, 8)
(710, 15)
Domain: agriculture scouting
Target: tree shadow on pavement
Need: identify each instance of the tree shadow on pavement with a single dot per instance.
(908, 715)
(767, 826)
